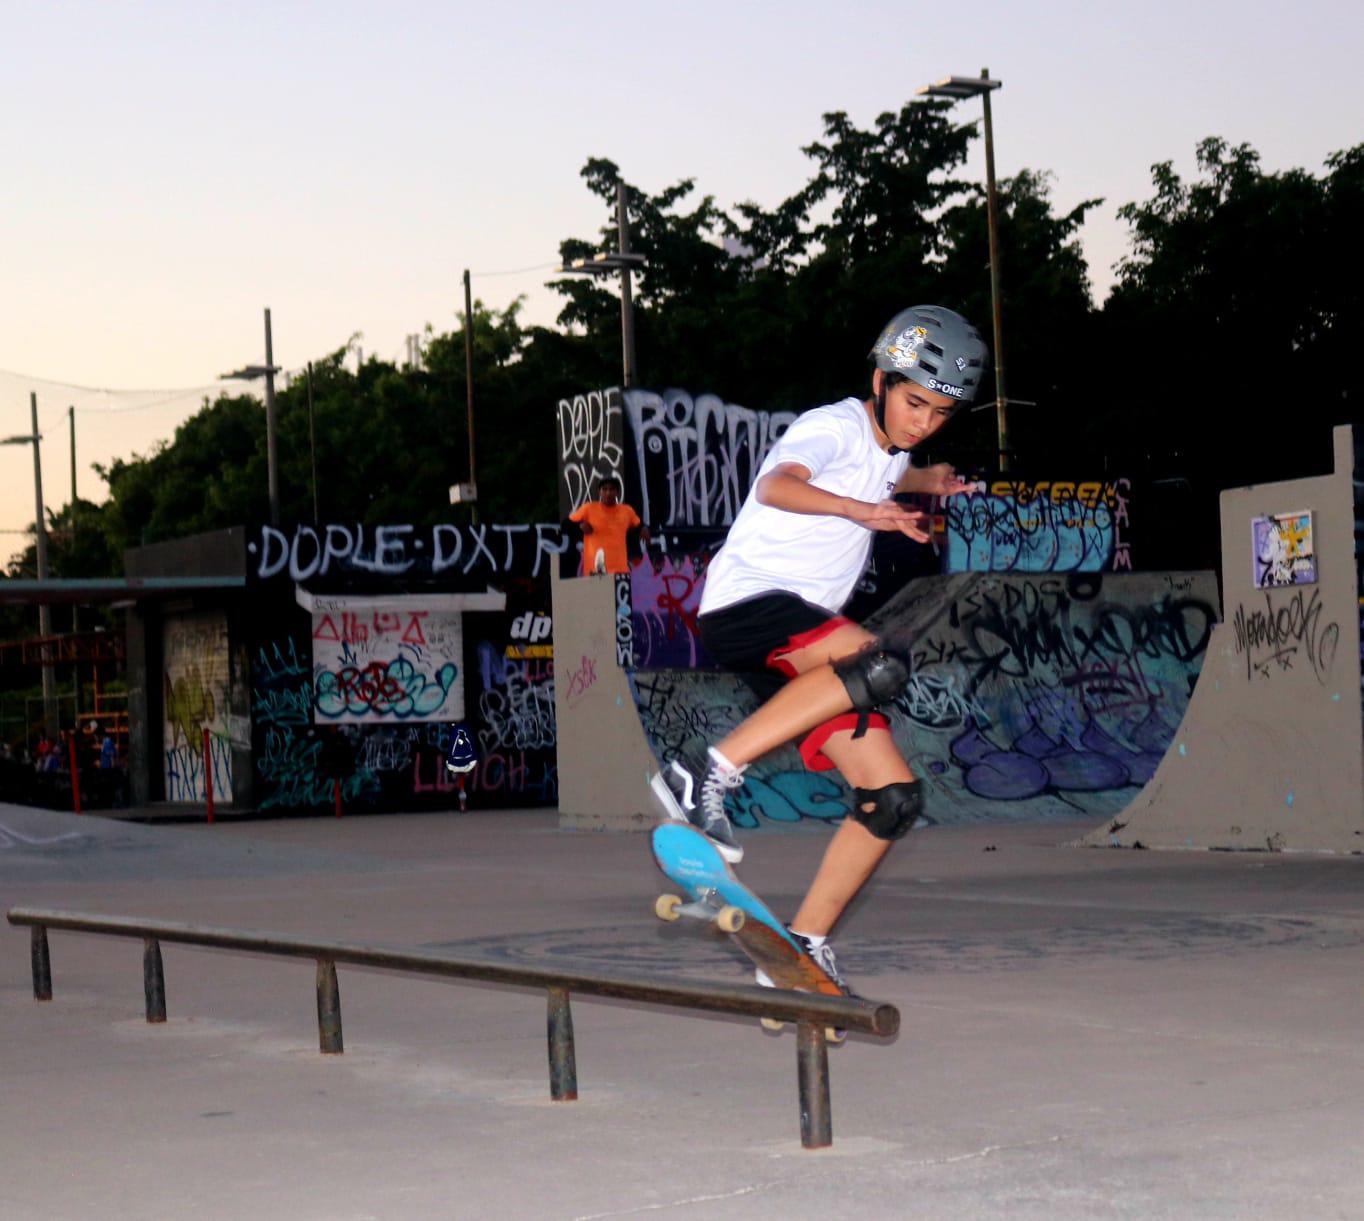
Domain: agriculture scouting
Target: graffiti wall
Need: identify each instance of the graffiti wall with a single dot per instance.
(197, 681)
(656, 608)
(1045, 697)
(457, 556)
(387, 666)
(686, 460)
(1049, 696)
(1038, 527)
(591, 445)
(694, 458)
(396, 762)
(370, 698)
(512, 682)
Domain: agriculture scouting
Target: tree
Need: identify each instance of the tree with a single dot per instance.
(782, 320)
(1236, 312)
(771, 307)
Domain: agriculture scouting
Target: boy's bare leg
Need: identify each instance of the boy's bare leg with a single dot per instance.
(850, 859)
(814, 696)
(853, 854)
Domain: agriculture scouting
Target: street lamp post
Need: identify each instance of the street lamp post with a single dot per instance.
(40, 529)
(267, 371)
(982, 87)
(624, 262)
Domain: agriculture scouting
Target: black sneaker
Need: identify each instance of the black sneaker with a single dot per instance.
(824, 959)
(691, 796)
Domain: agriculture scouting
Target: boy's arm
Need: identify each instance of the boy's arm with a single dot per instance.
(938, 480)
(788, 487)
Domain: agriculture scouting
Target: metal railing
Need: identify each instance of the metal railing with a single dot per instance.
(810, 1012)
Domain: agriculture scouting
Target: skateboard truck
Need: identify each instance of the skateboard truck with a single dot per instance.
(708, 906)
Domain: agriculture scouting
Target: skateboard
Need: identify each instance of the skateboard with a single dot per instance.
(713, 893)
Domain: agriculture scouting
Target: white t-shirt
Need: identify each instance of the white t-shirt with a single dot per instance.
(816, 557)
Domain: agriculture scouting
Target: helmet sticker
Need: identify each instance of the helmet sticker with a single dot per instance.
(961, 364)
(904, 352)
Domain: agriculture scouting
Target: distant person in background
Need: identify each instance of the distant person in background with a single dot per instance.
(605, 523)
(42, 750)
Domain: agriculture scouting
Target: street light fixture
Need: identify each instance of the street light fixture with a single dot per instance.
(267, 371)
(957, 87)
(624, 262)
(34, 439)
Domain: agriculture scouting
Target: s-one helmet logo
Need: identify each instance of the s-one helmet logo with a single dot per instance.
(947, 388)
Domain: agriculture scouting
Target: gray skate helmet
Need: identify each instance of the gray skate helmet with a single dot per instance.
(935, 347)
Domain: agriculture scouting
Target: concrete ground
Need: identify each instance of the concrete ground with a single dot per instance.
(1086, 1033)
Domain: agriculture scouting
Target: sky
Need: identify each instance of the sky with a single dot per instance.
(172, 169)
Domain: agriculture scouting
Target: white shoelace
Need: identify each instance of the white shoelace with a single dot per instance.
(713, 791)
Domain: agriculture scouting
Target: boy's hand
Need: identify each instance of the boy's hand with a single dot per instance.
(892, 515)
(943, 480)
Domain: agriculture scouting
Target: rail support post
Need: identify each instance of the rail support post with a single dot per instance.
(812, 1064)
(70, 737)
(42, 964)
(153, 980)
(563, 1068)
(329, 1040)
(208, 772)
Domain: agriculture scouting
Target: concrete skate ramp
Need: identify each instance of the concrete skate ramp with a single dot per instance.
(1044, 697)
(1269, 754)
(604, 760)
(1032, 697)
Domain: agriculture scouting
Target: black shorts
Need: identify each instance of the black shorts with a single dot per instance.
(755, 634)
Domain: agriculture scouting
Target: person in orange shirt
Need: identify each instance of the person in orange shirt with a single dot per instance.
(605, 523)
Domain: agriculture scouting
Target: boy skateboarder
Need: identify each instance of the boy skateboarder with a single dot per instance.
(774, 591)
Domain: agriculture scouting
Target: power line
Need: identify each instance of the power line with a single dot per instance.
(48, 381)
(516, 271)
(113, 402)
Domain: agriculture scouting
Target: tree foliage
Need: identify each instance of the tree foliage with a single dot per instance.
(1236, 311)
(1240, 295)
(783, 317)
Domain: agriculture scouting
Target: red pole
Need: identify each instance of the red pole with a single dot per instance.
(336, 790)
(208, 773)
(75, 771)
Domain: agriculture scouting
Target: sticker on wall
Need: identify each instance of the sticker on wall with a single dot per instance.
(1282, 550)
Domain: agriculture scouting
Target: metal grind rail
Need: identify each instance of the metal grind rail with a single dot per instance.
(810, 1012)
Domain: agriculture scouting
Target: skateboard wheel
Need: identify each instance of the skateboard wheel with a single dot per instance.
(730, 919)
(666, 907)
(775, 1025)
(835, 1036)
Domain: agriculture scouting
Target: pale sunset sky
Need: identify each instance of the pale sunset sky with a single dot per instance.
(173, 168)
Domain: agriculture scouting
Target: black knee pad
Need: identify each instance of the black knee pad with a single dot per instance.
(895, 808)
(873, 677)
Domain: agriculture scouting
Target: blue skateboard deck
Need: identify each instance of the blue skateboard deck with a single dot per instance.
(693, 863)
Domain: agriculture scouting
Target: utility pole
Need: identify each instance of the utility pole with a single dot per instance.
(624, 262)
(271, 443)
(992, 223)
(312, 449)
(469, 388)
(71, 417)
(627, 302)
(44, 609)
(957, 87)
